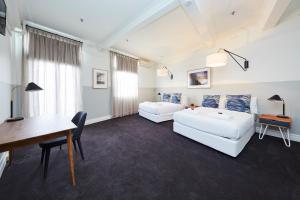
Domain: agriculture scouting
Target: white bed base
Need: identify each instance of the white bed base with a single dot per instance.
(225, 145)
(156, 118)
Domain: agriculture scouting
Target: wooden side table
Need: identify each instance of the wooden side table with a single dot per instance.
(283, 124)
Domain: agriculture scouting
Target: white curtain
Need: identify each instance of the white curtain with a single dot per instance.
(124, 85)
(53, 63)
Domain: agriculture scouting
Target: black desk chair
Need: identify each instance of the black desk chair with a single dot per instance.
(79, 121)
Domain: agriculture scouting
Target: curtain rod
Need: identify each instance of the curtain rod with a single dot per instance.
(124, 53)
(51, 31)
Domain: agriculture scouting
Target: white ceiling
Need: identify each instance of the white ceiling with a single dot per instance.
(197, 25)
(168, 36)
(176, 35)
(101, 17)
(292, 10)
(158, 30)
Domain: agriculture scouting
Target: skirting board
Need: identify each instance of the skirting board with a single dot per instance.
(3, 159)
(98, 119)
(294, 137)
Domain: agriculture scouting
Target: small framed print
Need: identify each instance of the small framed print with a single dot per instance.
(99, 79)
(199, 78)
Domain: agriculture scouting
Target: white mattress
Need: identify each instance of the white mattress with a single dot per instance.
(160, 108)
(231, 125)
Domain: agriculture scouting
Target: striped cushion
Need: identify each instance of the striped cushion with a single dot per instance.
(240, 103)
(176, 98)
(211, 101)
(166, 97)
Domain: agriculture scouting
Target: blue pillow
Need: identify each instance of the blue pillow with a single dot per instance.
(176, 98)
(211, 101)
(166, 97)
(240, 103)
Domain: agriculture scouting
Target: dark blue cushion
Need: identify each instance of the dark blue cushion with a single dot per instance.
(240, 103)
(166, 97)
(211, 101)
(176, 98)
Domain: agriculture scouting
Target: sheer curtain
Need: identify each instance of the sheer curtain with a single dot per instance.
(124, 84)
(52, 62)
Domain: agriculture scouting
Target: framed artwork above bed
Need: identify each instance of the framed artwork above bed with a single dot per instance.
(99, 79)
(199, 78)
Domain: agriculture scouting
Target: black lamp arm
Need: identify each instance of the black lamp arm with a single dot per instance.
(12, 100)
(169, 72)
(283, 107)
(246, 63)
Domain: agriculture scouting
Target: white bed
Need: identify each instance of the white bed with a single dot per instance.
(160, 111)
(228, 132)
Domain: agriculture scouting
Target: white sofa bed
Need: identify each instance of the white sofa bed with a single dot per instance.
(159, 111)
(228, 132)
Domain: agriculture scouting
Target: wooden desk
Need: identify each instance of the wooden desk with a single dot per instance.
(35, 130)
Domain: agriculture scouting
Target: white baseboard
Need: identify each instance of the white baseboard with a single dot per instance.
(3, 158)
(98, 119)
(293, 136)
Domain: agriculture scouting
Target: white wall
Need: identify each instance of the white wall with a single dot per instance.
(273, 57)
(93, 58)
(5, 85)
(97, 102)
(147, 77)
(5, 59)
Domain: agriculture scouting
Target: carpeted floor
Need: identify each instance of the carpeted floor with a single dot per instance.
(132, 158)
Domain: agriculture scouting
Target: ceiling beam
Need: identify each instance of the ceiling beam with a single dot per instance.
(274, 10)
(197, 12)
(147, 17)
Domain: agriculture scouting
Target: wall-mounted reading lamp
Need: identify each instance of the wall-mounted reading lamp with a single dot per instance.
(164, 71)
(220, 59)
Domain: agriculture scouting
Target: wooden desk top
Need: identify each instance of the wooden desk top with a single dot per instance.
(275, 118)
(31, 128)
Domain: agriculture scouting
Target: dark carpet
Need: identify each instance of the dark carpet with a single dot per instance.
(132, 158)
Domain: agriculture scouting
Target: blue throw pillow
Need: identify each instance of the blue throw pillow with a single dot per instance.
(211, 101)
(240, 103)
(166, 97)
(176, 98)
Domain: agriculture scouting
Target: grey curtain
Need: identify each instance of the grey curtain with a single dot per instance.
(51, 47)
(52, 62)
(124, 84)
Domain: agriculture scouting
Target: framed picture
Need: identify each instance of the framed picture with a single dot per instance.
(99, 78)
(199, 78)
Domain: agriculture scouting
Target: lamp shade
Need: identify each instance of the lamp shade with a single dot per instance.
(275, 97)
(217, 59)
(32, 87)
(162, 72)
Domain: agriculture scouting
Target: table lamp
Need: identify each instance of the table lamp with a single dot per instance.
(276, 97)
(31, 87)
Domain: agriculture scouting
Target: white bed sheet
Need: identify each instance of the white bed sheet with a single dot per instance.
(160, 108)
(203, 119)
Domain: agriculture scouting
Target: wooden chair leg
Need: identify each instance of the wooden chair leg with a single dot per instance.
(80, 148)
(43, 155)
(48, 150)
(74, 143)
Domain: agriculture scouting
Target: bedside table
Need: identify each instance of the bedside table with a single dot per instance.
(283, 124)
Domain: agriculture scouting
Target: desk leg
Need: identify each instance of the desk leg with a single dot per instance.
(10, 157)
(70, 155)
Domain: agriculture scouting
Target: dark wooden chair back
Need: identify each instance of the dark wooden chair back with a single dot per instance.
(79, 121)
